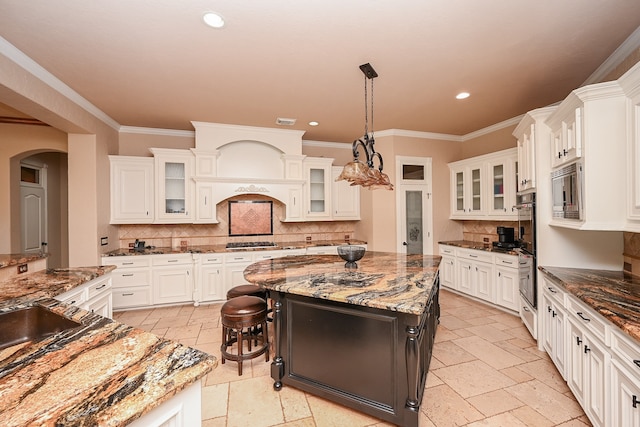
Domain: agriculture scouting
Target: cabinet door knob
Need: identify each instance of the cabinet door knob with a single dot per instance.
(635, 401)
(578, 341)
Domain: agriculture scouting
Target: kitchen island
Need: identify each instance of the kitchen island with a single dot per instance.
(101, 373)
(359, 337)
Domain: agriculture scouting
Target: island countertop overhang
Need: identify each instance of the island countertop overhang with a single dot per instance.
(383, 280)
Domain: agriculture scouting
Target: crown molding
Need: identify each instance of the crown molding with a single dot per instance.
(327, 144)
(489, 129)
(157, 131)
(620, 54)
(418, 134)
(39, 72)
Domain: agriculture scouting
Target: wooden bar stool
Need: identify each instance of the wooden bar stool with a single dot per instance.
(251, 290)
(244, 318)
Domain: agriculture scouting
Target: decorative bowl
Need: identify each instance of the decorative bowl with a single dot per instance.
(351, 254)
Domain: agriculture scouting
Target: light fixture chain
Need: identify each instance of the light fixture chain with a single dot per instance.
(366, 112)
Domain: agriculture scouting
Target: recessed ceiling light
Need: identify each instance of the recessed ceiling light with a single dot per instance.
(462, 95)
(213, 20)
(313, 123)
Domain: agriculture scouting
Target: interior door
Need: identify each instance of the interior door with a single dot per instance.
(33, 209)
(414, 205)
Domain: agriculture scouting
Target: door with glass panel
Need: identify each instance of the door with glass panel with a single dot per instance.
(414, 205)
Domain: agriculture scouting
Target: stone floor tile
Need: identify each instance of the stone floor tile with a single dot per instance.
(530, 417)
(449, 353)
(551, 404)
(516, 374)
(452, 323)
(215, 401)
(326, 414)
(446, 408)
(253, 402)
(488, 352)
(495, 402)
(489, 333)
(473, 378)
(544, 370)
(502, 420)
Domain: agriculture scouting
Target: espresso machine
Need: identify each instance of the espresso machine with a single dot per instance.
(506, 238)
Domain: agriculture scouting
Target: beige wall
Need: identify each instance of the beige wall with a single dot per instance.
(138, 144)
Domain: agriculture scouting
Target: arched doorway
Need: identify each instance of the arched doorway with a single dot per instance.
(40, 193)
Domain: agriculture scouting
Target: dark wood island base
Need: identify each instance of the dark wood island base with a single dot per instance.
(359, 353)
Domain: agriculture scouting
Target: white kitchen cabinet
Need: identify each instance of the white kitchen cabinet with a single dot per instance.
(93, 296)
(174, 185)
(467, 183)
(475, 273)
(234, 265)
(566, 137)
(131, 281)
(588, 365)
(630, 83)
(507, 281)
(625, 381)
(553, 324)
(295, 205)
(172, 278)
(317, 188)
(182, 410)
(448, 267)
(531, 130)
(502, 176)
(345, 198)
(484, 187)
(590, 127)
(205, 205)
(132, 190)
(211, 278)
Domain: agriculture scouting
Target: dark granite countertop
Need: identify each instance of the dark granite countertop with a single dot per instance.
(103, 373)
(613, 294)
(223, 249)
(383, 280)
(469, 244)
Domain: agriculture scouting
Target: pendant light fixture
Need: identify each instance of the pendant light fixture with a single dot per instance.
(366, 174)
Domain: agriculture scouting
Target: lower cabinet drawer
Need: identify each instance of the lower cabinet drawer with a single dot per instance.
(131, 297)
(126, 278)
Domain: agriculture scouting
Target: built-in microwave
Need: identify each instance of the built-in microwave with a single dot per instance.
(566, 188)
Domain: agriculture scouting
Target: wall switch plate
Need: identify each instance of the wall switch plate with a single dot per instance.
(104, 241)
(23, 268)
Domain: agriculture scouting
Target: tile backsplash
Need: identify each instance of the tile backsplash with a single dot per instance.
(173, 235)
(478, 231)
(632, 253)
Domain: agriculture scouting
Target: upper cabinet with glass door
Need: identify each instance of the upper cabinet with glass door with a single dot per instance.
(467, 180)
(484, 187)
(317, 188)
(531, 130)
(174, 185)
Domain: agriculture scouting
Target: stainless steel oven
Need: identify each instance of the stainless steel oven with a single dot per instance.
(527, 241)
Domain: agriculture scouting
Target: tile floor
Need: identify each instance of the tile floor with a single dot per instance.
(485, 371)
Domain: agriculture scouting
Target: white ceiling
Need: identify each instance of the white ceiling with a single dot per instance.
(153, 63)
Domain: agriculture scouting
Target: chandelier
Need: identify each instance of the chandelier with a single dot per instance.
(365, 174)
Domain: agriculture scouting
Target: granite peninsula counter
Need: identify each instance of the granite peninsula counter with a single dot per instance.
(360, 337)
(103, 373)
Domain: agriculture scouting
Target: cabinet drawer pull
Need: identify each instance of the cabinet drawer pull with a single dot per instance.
(127, 275)
(525, 308)
(72, 302)
(637, 362)
(552, 290)
(239, 258)
(507, 262)
(127, 295)
(127, 263)
(172, 260)
(101, 286)
(473, 256)
(586, 319)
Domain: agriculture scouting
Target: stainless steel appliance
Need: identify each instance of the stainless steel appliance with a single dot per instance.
(566, 188)
(527, 242)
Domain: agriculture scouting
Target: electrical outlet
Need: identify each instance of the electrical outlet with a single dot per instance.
(485, 239)
(23, 268)
(346, 238)
(183, 243)
(308, 238)
(104, 241)
(131, 245)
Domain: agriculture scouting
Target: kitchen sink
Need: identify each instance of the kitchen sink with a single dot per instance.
(31, 324)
